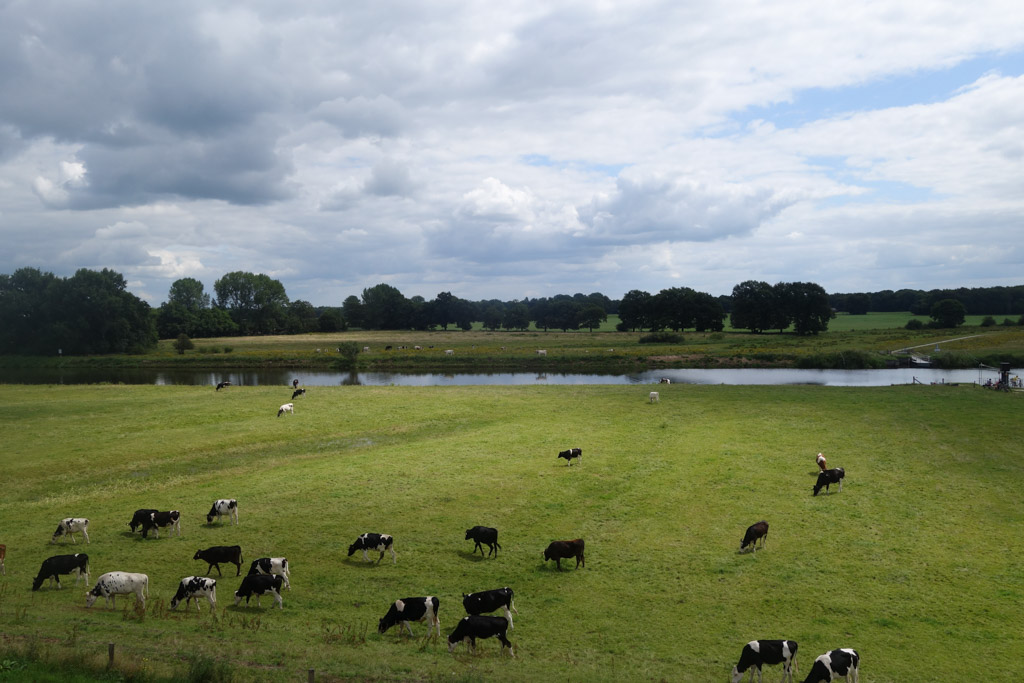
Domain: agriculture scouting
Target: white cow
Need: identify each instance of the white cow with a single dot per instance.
(449, 352)
(272, 565)
(224, 506)
(71, 526)
(654, 397)
(112, 584)
(542, 352)
(193, 588)
(286, 408)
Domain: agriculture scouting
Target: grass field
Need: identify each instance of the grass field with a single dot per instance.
(918, 554)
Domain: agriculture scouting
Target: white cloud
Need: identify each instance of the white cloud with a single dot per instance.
(500, 150)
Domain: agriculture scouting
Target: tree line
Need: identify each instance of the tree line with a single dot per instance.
(92, 312)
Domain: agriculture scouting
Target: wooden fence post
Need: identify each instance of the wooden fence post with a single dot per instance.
(110, 654)
(312, 675)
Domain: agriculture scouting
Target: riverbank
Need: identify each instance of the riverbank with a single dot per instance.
(479, 351)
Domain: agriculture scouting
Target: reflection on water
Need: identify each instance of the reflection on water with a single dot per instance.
(738, 376)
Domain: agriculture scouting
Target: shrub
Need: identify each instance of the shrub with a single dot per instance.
(183, 344)
(663, 337)
(228, 349)
(914, 324)
(842, 360)
(988, 321)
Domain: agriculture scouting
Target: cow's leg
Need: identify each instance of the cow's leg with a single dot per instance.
(508, 615)
(505, 643)
(280, 601)
(238, 569)
(365, 558)
(72, 535)
(55, 576)
(406, 624)
(558, 563)
(394, 558)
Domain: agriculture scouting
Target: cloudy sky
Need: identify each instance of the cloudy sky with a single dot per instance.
(503, 150)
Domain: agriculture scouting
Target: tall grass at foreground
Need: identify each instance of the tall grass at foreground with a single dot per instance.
(918, 554)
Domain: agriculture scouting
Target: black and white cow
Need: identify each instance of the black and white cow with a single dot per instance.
(70, 526)
(272, 565)
(833, 476)
(224, 506)
(221, 553)
(570, 454)
(170, 518)
(140, 517)
(491, 601)
(561, 550)
(758, 530)
(297, 393)
(53, 567)
(259, 585)
(193, 588)
(412, 609)
(757, 653)
(112, 584)
(473, 627)
(843, 662)
(484, 535)
(382, 543)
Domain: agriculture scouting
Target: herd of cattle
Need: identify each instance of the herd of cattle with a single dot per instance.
(268, 575)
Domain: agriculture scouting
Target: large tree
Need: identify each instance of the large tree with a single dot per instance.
(948, 313)
(257, 303)
(385, 308)
(635, 311)
(754, 306)
(188, 292)
(806, 305)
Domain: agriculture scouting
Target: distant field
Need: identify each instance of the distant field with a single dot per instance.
(918, 553)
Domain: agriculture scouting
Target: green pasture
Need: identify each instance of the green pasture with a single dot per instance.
(918, 554)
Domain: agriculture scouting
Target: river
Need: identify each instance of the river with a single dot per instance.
(730, 376)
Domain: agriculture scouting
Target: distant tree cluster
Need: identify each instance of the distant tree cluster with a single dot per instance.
(977, 301)
(90, 312)
(759, 306)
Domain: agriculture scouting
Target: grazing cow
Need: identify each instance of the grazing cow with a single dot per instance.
(193, 588)
(379, 542)
(3, 557)
(665, 380)
(843, 662)
(140, 517)
(654, 397)
(112, 584)
(570, 454)
(272, 565)
(286, 408)
(757, 653)
(297, 393)
(70, 526)
(388, 347)
(473, 627)
(258, 585)
(754, 532)
(221, 553)
(490, 601)
(561, 550)
(417, 348)
(822, 463)
(53, 567)
(412, 609)
(833, 476)
(542, 352)
(222, 385)
(366, 349)
(484, 535)
(449, 352)
(170, 518)
(224, 506)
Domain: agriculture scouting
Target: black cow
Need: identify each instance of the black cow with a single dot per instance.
(570, 454)
(139, 518)
(221, 385)
(490, 601)
(473, 627)
(379, 542)
(843, 662)
(258, 585)
(757, 653)
(53, 567)
(486, 535)
(169, 518)
(221, 553)
(758, 530)
(833, 476)
(297, 393)
(560, 550)
(412, 609)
